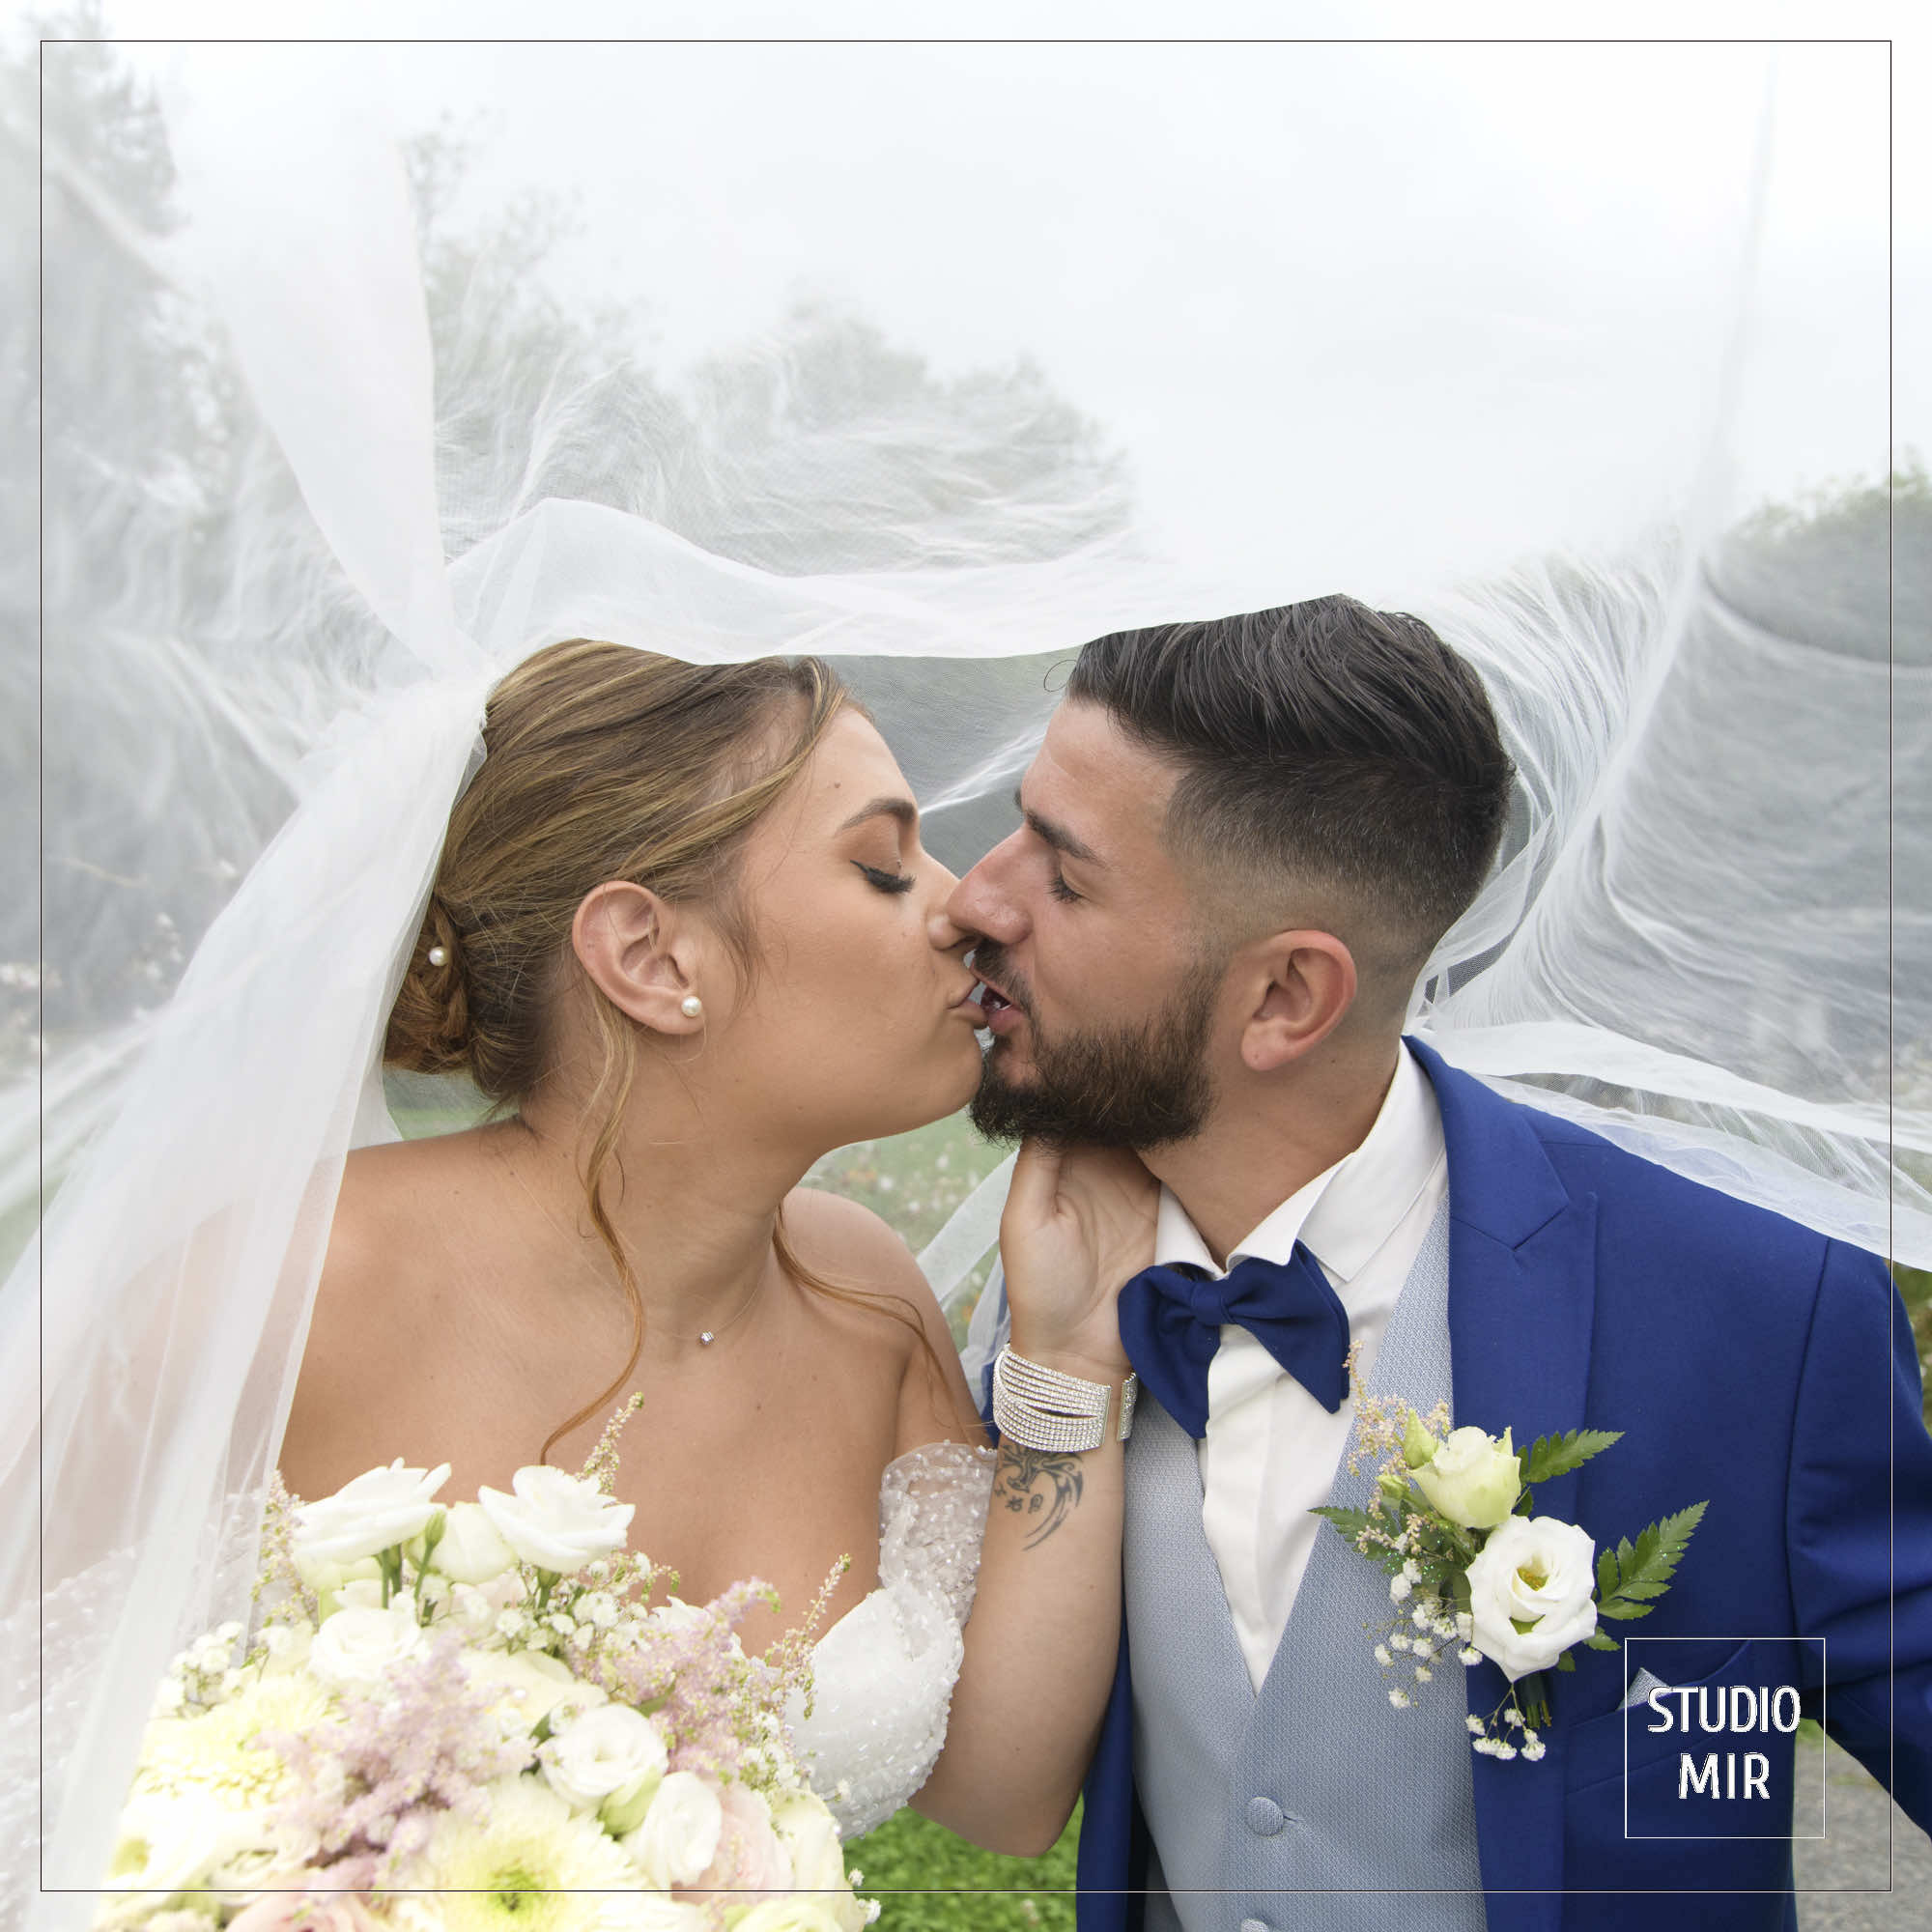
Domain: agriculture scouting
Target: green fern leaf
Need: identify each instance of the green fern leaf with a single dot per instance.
(1557, 1455)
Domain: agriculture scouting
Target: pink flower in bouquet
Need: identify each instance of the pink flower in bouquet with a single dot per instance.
(751, 1857)
(320, 1911)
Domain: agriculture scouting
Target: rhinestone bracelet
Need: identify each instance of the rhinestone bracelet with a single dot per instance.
(1041, 1408)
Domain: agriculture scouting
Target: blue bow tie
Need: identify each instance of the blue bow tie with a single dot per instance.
(1170, 1323)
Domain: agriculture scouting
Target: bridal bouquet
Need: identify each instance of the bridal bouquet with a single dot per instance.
(474, 1718)
(1474, 1570)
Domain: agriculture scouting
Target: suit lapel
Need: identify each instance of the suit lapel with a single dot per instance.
(1522, 1300)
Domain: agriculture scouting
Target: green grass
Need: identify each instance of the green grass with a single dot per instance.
(926, 1880)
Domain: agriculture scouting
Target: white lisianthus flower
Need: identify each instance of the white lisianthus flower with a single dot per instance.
(678, 1838)
(470, 1552)
(165, 1843)
(1536, 1572)
(558, 1522)
(379, 1510)
(528, 1683)
(1472, 1479)
(357, 1648)
(609, 1752)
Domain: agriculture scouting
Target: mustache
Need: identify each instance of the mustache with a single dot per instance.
(988, 960)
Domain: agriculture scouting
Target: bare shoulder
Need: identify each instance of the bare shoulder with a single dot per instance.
(392, 1204)
(847, 1243)
(392, 1214)
(852, 1247)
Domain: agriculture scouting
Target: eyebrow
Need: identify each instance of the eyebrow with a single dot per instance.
(902, 808)
(1056, 835)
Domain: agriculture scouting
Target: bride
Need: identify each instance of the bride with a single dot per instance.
(685, 937)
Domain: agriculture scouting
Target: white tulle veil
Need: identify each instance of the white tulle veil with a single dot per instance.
(316, 474)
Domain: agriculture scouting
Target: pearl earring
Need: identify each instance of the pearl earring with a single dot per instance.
(691, 1006)
(438, 957)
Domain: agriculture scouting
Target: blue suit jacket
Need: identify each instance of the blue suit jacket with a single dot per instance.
(1748, 1361)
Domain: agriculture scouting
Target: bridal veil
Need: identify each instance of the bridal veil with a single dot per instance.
(1504, 335)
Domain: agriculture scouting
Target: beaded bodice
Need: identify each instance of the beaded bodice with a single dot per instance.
(882, 1674)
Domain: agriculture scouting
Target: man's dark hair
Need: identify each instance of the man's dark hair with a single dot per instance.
(1323, 743)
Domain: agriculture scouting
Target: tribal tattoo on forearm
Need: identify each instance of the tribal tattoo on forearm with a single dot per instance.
(1039, 1485)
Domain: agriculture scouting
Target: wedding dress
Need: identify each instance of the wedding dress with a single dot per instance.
(882, 1674)
(272, 629)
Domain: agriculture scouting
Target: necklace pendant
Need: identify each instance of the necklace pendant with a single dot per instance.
(705, 1340)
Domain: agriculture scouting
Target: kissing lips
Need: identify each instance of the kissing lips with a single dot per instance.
(1002, 1016)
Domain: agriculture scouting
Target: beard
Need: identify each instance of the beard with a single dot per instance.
(1135, 1086)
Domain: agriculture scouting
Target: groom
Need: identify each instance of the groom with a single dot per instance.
(1243, 839)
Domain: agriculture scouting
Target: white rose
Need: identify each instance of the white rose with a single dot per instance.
(1472, 1479)
(679, 1837)
(529, 1682)
(1536, 1571)
(376, 1512)
(471, 1551)
(809, 1835)
(356, 1649)
(609, 1752)
(557, 1522)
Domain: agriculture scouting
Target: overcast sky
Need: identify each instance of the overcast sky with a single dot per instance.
(1338, 304)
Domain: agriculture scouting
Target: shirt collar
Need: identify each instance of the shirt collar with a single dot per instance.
(1347, 1210)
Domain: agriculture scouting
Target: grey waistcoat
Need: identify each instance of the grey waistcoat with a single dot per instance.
(1313, 1803)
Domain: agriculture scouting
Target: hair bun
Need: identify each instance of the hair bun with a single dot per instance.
(429, 1025)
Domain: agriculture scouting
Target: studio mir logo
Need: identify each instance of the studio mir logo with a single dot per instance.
(1710, 1742)
(1731, 1711)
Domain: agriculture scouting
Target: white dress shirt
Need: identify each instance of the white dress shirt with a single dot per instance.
(1270, 1451)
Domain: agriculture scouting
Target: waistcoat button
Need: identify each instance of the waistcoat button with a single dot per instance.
(1264, 1817)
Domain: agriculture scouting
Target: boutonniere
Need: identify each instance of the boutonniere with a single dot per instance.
(1474, 1571)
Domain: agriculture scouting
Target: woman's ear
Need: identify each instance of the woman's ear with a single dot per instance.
(642, 954)
(1310, 986)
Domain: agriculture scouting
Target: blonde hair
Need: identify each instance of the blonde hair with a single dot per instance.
(600, 762)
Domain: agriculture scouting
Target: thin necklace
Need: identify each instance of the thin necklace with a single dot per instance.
(704, 1338)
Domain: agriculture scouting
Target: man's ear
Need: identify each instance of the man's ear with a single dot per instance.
(640, 954)
(1309, 986)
